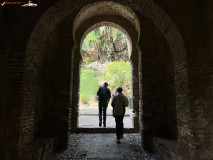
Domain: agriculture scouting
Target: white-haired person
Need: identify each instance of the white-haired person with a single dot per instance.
(119, 102)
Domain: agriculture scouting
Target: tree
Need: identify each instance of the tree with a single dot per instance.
(95, 41)
(107, 42)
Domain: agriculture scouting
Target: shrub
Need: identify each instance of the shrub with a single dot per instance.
(88, 84)
(118, 73)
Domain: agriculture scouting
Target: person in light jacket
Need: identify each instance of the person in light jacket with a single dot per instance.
(119, 102)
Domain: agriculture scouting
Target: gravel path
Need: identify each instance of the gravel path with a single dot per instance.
(103, 147)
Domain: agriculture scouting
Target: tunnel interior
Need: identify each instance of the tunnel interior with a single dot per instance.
(171, 74)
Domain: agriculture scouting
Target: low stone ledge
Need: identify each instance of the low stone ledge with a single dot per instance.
(103, 130)
(165, 149)
(43, 148)
(87, 114)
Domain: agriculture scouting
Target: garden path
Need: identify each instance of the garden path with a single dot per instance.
(88, 118)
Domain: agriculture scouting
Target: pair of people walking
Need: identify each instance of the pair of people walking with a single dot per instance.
(119, 102)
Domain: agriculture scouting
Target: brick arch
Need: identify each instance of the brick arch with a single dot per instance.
(128, 23)
(61, 10)
(132, 35)
(106, 8)
(149, 9)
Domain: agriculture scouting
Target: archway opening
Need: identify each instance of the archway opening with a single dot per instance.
(106, 52)
(89, 18)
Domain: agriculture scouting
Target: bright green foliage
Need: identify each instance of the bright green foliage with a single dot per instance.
(118, 73)
(88, 84)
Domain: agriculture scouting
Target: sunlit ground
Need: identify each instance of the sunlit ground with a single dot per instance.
(88, 117)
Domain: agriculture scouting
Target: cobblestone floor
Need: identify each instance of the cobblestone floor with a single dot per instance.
(103, 147)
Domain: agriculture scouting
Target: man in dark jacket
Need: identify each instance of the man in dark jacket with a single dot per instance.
(104, 95)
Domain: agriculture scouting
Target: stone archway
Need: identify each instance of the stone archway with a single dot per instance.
(97, 14)
(61, 11)
(78, 56)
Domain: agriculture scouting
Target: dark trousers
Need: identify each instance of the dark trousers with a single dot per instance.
(119, 126)
(102, 108)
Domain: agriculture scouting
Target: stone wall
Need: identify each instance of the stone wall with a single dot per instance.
(54, 85)
(158, 82)
(165, 149)
(158, 89)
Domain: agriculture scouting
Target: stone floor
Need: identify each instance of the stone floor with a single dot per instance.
(93, 122)
(88, 118)
(103, 147)
(94, 111)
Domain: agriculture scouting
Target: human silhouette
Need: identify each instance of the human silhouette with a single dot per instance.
(119, 102)
(104, 95)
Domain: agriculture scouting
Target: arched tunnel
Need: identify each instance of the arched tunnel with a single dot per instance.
(171, 55)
